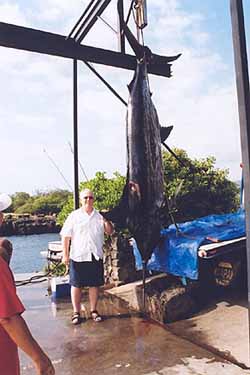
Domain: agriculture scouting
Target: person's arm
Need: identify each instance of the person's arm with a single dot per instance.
(66, 234)
(19, 332)
(5, 249)
(108, 227)
(65, 247)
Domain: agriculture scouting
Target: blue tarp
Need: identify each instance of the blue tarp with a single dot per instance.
(178, 252)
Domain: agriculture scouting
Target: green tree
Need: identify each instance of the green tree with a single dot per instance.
(43, 202)
(205, 189)
(18, 200)
(27, 208)
(107, 192)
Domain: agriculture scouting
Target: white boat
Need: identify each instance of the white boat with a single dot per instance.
(54, 252)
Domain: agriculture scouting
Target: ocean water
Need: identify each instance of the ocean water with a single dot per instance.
(26, 251)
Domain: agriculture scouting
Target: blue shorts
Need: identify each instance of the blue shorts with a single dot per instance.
(83, 274)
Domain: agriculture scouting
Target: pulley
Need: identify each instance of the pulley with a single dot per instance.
(141, 13)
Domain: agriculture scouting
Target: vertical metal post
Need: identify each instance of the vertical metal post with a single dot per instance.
(242, 81)
(75, 136)
(121, 36)
(144, 265)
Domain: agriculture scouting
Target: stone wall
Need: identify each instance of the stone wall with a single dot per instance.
(119, 262)
(166, 298)
(28, 224)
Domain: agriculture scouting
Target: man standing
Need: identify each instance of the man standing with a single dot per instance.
(85, 228)
(14, 331)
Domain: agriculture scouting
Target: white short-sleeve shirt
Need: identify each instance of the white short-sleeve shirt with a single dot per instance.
(86, 233)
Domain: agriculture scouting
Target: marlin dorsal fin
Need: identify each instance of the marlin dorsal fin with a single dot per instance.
(165, 131)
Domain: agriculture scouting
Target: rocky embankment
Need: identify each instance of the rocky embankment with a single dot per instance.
(28, 224)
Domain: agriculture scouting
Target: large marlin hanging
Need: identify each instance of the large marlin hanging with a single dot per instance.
(144, 165)
(142, 200)
(141, 205)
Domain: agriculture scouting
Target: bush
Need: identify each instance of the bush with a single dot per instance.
(50, 202)
(107, 192)
(205, 190)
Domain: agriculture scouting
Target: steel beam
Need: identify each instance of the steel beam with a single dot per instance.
(32, 40)
(75, 135)
(91, 19)
(78, 24)
(242, 81)
(120, 33)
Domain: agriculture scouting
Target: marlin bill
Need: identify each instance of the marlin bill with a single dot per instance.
(142, 200)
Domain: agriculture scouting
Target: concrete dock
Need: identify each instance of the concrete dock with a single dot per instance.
(125, 343)
(221, 326)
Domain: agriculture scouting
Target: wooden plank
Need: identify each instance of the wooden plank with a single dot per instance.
(27, 39)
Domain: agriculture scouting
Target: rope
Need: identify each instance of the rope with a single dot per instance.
(40, 278)
(129, 11)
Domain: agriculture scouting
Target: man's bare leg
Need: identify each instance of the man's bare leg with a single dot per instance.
(93, 299)
(76, 294)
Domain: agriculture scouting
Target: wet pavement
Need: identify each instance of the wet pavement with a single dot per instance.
(124, 343)
(221, 326)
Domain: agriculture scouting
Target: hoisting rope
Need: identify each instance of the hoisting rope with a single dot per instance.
(41, 277)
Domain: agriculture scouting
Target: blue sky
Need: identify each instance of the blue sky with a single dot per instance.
(36, 92)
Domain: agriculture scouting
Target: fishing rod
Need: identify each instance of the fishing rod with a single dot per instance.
(81, 167)
(58, 169)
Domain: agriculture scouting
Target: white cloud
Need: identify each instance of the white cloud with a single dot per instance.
(36, 96)
(11, 12)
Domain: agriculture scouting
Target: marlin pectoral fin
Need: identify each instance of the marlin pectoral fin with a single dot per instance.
(118, 214)
(165, 131)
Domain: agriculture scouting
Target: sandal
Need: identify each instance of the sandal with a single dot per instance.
(76, 318)
(96, 316)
